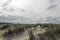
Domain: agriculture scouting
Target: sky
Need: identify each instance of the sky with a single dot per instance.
(35, 9)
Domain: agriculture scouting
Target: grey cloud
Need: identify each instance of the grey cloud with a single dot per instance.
(38, 10)
(15, 19)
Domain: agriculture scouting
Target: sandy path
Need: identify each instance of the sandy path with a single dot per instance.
(23, 37)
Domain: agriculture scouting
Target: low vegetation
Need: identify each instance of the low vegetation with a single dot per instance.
(52, 30)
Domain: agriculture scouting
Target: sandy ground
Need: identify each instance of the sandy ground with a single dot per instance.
(24, 36)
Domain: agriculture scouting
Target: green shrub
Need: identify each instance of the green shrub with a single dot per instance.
(5, 26)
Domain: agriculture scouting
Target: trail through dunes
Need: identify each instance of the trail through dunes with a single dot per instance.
(24, 35)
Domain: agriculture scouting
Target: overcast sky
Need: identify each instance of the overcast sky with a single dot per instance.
(36, 8)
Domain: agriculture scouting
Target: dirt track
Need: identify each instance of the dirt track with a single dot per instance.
(24, 36)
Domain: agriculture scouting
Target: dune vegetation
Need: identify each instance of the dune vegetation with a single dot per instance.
(51, 31)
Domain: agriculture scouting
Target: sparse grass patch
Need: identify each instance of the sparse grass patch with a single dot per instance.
(31, 35)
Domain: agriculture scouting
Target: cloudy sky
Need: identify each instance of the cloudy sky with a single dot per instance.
(38, 8)
(35, 9)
